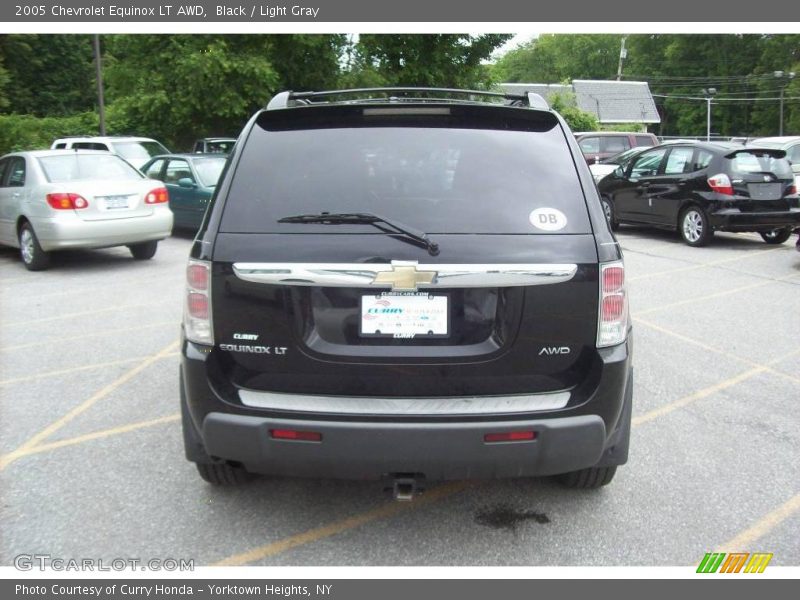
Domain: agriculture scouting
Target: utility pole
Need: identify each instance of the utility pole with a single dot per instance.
(788, 77)
(99, 69)
(623, 54)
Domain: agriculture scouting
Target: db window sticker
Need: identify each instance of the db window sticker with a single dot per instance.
(548, 219)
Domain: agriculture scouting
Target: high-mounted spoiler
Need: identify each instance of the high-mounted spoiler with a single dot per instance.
(395, 95)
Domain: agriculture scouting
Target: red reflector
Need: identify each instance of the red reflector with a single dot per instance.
(613, 307)
(156, 196)
(61, 201)
(613, 279)
(291, 434)
(510, 436)
(198, 305)
(197, 277)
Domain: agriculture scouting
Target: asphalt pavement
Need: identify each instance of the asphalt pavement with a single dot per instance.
(91, 460)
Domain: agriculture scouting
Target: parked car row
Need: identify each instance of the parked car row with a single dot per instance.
(61, 199)
(698, 188)
(104, 191)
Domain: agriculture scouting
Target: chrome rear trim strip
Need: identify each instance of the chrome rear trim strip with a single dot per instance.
(422, 276)
(404, 406)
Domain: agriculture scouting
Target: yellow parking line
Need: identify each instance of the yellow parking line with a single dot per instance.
(101, 286)
(326, 531)
(763, 526)
(705, 392)
(699, 395)
(96, 435)
(713, 263)
(46, 374)
(699, 344)
(94, 311)
(35, 440)
(73, 338)
(93, 366)
(743, 288)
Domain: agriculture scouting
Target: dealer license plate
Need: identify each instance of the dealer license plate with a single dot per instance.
(404, 315)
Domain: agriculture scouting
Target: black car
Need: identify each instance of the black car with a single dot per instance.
(702, 187)
(411, 284)
(214, 145)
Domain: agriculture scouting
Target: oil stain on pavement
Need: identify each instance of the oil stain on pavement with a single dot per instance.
(504, 516)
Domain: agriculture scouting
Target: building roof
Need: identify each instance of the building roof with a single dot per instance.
(609, 101)
(545, 90)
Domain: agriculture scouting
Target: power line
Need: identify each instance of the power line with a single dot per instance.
(718, 99)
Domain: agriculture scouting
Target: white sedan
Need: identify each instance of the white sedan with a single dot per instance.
(609, 165)
(60, 199)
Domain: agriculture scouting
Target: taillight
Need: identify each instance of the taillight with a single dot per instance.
(63, 201)
(792, 190)
(156, 196)
(721, 184)
(197, 306)
(612, 324)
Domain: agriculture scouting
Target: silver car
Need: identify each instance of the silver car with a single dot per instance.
(60, 199)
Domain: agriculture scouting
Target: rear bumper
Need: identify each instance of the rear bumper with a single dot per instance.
(735, 220)
(62, 234)
(364, 450)
(358, 445)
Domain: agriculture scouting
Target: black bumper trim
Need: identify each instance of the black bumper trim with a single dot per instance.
(358, 450)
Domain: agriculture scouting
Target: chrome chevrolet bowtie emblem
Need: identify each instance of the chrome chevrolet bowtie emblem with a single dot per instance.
(404, 277)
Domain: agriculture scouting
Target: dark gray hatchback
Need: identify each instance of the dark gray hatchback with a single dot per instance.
(411, 284)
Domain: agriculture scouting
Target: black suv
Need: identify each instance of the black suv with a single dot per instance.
(702, 187)
(407, 284)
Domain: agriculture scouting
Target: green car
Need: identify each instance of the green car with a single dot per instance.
(190, 180)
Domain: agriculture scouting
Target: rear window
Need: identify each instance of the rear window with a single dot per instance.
(139, 150)
(208, 170)
(614, 143)
(429, 175)
(78, 167)
(754, 162)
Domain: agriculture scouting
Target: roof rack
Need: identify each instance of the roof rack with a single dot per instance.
(403, 94)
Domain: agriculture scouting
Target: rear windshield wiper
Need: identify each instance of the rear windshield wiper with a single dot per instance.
(382, 223)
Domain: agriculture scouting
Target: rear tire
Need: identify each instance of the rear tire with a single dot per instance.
(776, 236)
(587, 479)
(608, 210)
(31, 253)
(144, 251)
(694, 228)
(223, 474)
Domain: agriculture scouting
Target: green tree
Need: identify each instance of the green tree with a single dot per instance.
(48, 75)
(181, 87)
(577, 119)
(552, 58)
(443, 60)
(779, 53)
(4, 79)
(307, 62)
(680, 67)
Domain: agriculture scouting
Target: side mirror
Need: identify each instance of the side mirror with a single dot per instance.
(186, 182)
